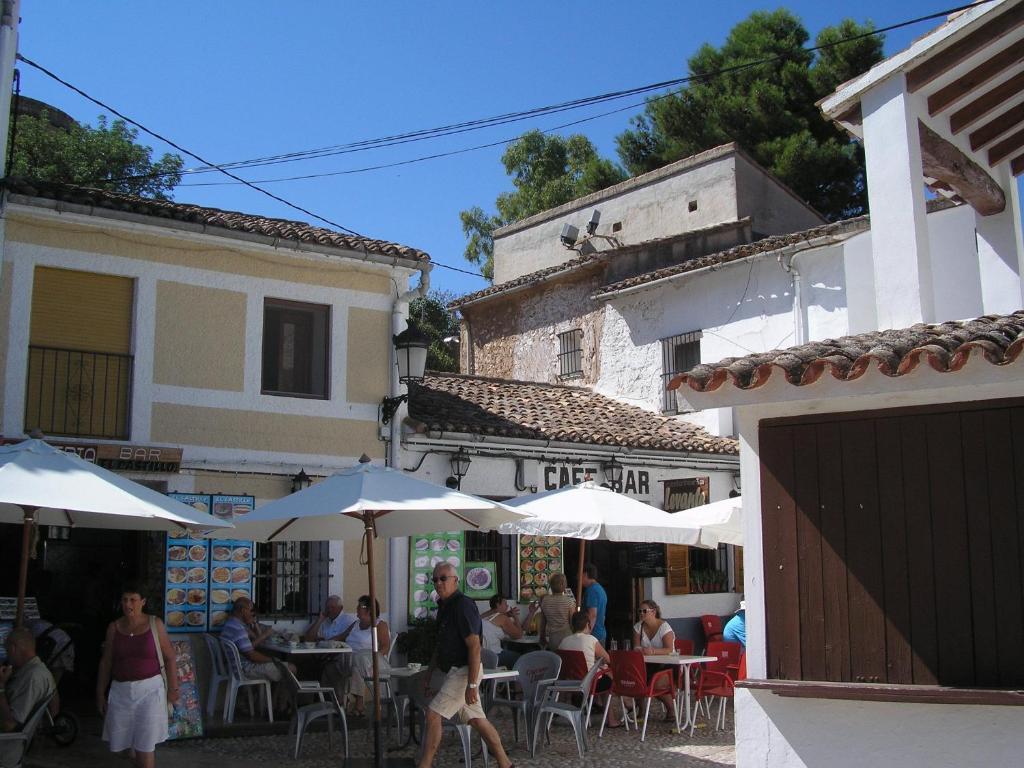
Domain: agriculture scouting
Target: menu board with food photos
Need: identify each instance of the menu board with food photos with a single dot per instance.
(185, 719)
(187, 585)
(426, 551)
(539, 558)
(231, 567)
(231, 507)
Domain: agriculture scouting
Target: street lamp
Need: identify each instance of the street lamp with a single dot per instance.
(411, 356)
(460, 466)
(301, 481)
(612, 472)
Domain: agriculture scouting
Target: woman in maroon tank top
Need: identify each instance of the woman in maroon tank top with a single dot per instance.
(135, 710)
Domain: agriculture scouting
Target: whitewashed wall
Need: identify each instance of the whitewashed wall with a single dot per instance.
(777, 732)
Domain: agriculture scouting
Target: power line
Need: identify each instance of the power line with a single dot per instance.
(512, 117)
(180, 148)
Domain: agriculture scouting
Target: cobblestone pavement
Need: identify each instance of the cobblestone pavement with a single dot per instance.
(662, 747)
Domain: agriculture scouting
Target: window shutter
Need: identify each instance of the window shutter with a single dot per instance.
(677, 569)
(738, 567)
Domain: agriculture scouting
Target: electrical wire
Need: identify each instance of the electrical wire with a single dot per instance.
(512, 117)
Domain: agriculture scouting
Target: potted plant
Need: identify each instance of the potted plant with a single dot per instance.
(418, 642)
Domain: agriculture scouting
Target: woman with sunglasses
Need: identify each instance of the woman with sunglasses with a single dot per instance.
(654, 636)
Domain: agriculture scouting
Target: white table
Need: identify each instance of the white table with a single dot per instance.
(685, 662)
(301, 650)
(489, 674)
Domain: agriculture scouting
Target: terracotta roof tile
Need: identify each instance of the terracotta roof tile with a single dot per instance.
(449, 402)
(945, 347)
(284, 229)
(529, 279)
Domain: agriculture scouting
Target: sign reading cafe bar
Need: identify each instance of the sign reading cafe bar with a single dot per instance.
(635, 481)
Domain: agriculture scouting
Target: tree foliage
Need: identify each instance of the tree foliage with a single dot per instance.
(431, 315)
(769, 109)
(101, 157)
(546, 171)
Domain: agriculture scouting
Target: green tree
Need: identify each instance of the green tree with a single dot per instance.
(106, 157)
(769, 109)
(546, 171)
(431, 315)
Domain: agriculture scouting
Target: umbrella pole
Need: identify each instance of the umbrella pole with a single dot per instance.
(378, 751)
(26, 542)
(579, 575)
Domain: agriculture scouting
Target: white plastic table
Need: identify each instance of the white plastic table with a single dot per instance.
(301, 650)
(686, 662)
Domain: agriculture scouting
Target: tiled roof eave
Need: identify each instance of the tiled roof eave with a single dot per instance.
(943, 348)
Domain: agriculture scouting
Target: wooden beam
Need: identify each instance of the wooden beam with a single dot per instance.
(986, 103)
(942, 62)
(1017, 165)
(996, 127)
(943, 161)
(852, 116)
(1005, 148)
(977, 77)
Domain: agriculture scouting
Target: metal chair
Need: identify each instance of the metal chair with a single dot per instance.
(21, 739)
(307, 713)
(237, 680)
(421, 700)
(536, 670)
(219, 671)
(576, 714)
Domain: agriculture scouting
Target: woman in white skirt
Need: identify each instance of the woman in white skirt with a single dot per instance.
(136, 708)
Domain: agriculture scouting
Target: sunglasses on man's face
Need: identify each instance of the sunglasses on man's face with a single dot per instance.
(442, 579)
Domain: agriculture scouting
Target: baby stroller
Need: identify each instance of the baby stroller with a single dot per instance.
(53, 645)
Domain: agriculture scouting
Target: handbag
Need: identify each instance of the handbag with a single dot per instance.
(160, 659)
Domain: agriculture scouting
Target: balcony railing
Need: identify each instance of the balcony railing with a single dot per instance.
(78, 394)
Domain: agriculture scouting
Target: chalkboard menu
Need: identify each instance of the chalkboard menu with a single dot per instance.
(646, 560)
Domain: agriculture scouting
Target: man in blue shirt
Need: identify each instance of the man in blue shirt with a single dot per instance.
(595, 602)
(332, 621)
(735, 630)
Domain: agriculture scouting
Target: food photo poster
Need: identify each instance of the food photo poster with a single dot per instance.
(426, 551)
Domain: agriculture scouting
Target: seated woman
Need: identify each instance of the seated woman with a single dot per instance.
(502, 622)
(655, 637)
(359, 637)
(592, 650)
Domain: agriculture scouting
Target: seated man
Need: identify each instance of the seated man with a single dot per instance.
(242, 630)
(332, 621)
(23, 684)
(735, 630)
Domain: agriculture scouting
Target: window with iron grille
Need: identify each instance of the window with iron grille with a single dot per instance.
(678, 354)
(570, 354)
(292, 578)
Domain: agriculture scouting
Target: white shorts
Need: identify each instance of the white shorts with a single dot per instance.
(136, 715)
(451, 699)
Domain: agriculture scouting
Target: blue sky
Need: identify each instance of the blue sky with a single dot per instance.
(232, 80)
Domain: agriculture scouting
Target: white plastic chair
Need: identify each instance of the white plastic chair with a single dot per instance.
(327, 706)
(218, 671)
(576, 714)
(536, 669)
(421, 699)
(237, 680)
(21, 739)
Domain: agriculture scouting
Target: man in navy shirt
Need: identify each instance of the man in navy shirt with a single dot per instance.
(458, 656)
(595, 602)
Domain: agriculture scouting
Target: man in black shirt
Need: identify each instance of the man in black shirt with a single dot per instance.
(457, 655)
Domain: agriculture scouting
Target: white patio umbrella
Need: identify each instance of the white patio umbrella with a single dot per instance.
(367, 501)
(720, 522)
(43, 485)
(590, 511)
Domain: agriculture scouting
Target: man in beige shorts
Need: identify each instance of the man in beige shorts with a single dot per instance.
(458, 655)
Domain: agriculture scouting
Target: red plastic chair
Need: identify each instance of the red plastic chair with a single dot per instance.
(718, 678)
(712, 625)
(629, 680)
(574, 667)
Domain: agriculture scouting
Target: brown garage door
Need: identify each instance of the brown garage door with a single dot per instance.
(893, 545)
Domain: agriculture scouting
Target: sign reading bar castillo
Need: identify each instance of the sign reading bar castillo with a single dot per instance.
(138, 458)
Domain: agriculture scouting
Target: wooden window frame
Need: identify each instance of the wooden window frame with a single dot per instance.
(317, 313)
